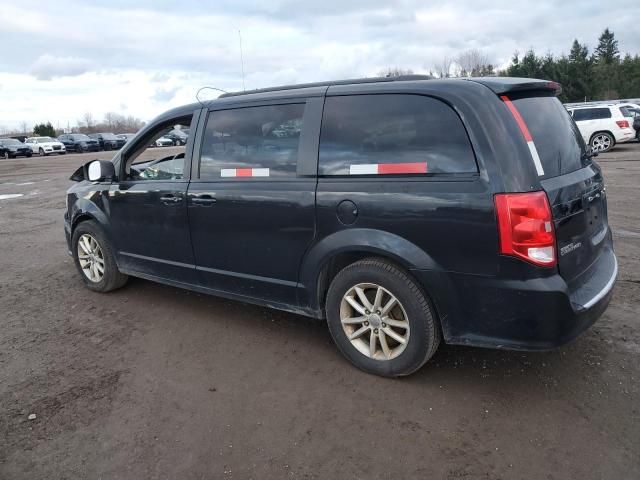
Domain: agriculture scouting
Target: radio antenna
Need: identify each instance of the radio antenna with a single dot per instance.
(241, 60)
(202, 102)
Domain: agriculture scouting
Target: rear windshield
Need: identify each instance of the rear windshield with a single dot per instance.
(555, 134)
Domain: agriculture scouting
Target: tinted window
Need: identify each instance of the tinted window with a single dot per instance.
(591, 114)
(264, 138)
(556, 136)
(416, 134)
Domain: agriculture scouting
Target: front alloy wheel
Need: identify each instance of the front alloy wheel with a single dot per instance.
(91, 258)
(374, 321)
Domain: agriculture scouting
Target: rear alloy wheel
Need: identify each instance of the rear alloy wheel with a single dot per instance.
(602, 142)
(6, 156)
(380, 319)
(379, 328)
(41, 152)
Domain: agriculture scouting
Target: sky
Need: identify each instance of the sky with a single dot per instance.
(61, 59)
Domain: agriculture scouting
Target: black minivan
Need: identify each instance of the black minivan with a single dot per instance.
(404, 211)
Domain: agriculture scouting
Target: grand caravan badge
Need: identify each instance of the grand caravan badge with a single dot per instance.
(570, 248)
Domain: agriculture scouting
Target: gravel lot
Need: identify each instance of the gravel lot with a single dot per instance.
(155, 382)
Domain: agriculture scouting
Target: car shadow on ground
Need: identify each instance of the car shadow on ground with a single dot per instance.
(507, 369)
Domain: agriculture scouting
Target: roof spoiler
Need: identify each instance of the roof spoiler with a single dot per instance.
(506, 85)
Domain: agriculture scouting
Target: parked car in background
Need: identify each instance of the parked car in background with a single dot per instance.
(108, 141)
(45, 146)
(164, 142)
(12, 148)
(126, 136)
(79, 142)
(177, 136)
(602, 125)
(404, 211)
(632, 112)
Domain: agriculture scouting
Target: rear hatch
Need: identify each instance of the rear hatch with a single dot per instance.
(572, 182)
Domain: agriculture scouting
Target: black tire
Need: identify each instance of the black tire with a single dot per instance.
(29, 155)
(424, 331)
(112, 278)
(6, 156)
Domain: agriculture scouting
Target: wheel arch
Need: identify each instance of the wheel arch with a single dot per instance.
(327, 257)
(608, 132)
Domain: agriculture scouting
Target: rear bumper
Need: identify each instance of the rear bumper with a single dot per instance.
(535, 314)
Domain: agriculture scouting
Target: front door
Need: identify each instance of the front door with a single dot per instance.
(148, 208)
(251, 210)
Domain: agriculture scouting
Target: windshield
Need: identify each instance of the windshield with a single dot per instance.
(44, 139)
(80, 137)
(9, 141)
(555, 134)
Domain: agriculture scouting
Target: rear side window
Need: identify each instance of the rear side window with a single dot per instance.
(392, 134)
(252, 142)
(591, 114)
(555, 135)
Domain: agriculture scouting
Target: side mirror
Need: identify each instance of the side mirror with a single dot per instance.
(99, 170)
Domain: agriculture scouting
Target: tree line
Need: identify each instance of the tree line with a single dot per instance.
(584, 75)
(112, 122)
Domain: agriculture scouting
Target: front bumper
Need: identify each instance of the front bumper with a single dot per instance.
(535, 314)
(67, 232)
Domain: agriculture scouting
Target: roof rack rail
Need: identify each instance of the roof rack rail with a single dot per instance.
(330, 83)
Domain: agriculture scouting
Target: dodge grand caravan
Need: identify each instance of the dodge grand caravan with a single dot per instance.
(403, 211)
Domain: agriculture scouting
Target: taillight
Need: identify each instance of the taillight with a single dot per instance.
(525, 227)
(622, 123)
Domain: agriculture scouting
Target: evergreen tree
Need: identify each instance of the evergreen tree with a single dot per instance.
(44, 130)
(607, 51)
(600, 76)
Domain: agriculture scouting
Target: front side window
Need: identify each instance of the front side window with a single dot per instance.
(392, 134)
(156, 159)
(252, 142)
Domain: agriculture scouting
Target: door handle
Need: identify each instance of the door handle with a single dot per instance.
(203, 200)
(170, 199)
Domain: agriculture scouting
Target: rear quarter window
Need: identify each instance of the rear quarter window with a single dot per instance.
(394, 134)
(556, 136)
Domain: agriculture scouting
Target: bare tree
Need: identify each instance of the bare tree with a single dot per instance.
(442, 69)
(111, 119)
(473, 63)
(87, 122)
(394, 72)
(23, 127)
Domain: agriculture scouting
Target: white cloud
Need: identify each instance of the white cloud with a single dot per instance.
(106, 55)
(48, 66)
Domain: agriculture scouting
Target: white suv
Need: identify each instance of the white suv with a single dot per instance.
(602, 125)
(45, 146)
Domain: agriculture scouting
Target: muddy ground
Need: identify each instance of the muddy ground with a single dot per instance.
(155, 382)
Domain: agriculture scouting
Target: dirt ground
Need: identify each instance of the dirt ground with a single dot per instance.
(152, 382)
